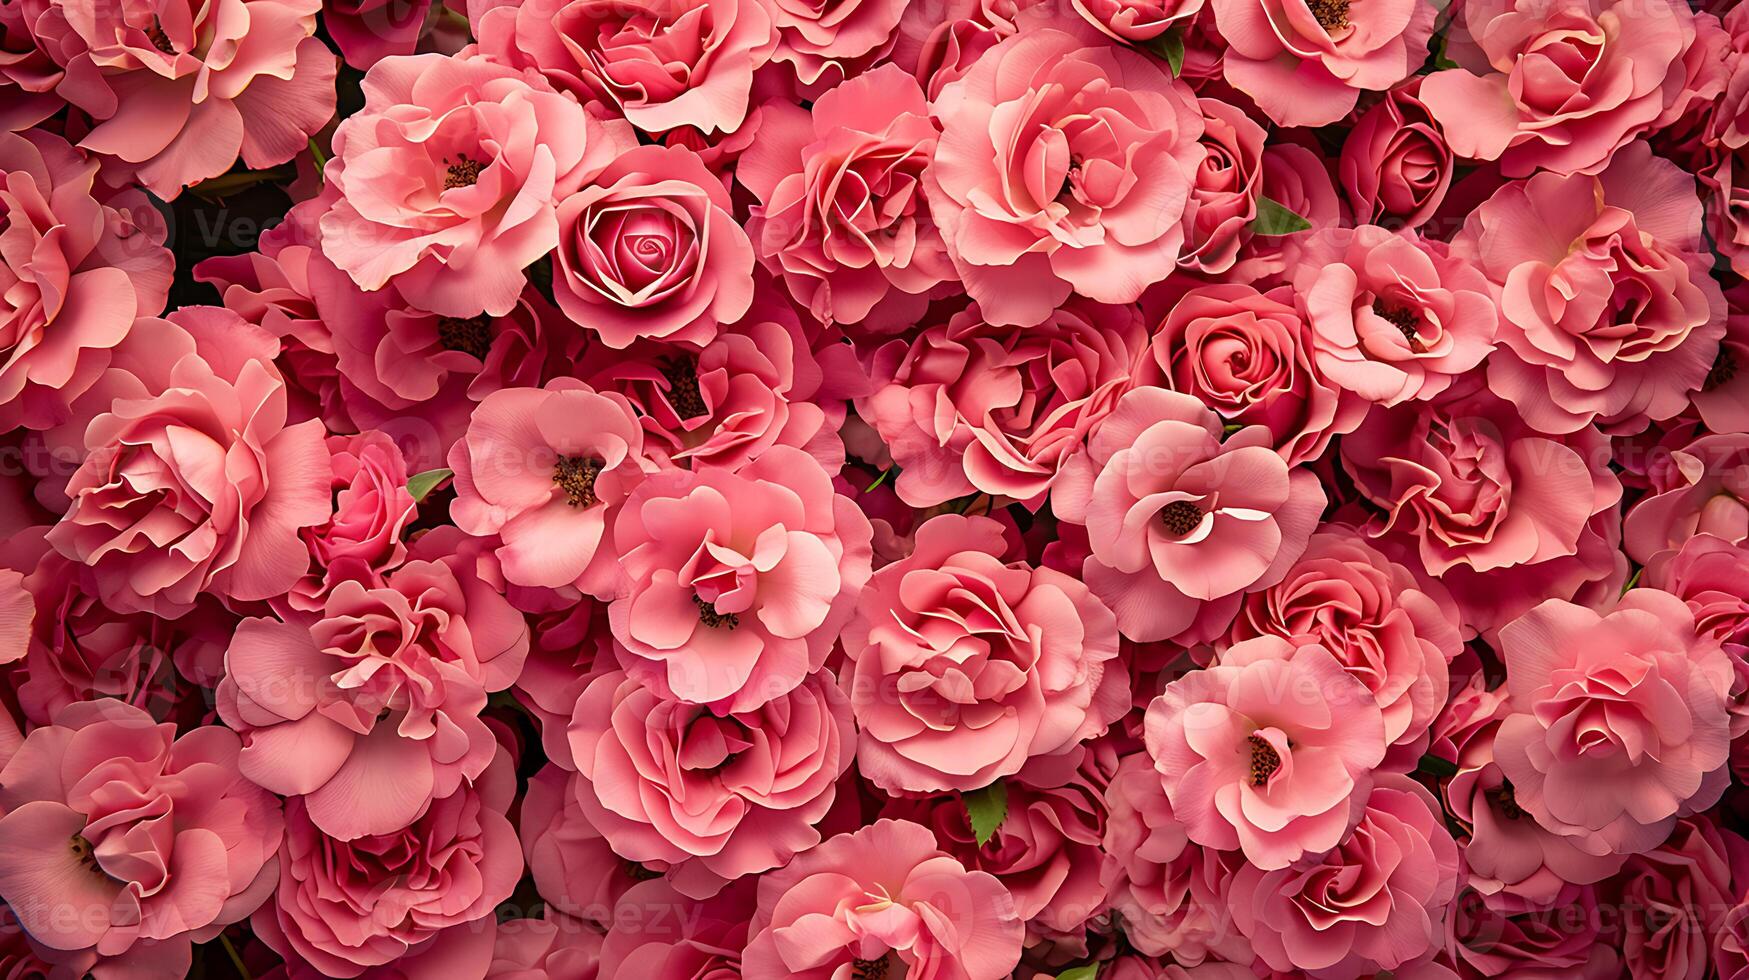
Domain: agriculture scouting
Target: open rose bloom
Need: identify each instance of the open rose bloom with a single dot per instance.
(874, 489)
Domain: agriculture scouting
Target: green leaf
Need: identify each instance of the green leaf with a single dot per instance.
(421, 485)
(1633, 581)
(1437, 766)
(1169, 46)
(321, 160)
(987, 808)
(1085, 972)
(1273, 218)
(879, 479)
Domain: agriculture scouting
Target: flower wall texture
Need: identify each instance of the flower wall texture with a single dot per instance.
(874, 489)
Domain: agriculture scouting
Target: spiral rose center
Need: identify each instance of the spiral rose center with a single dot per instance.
(1332, 15)
(708, 615)
(470, 335)
(1264, 760)
(160, 40)
(576, 476)
(1180, 517)
(1723, 370)
(463, 173)
(683, 392)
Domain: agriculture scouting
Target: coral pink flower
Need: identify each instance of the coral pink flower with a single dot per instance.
(548, 948)
(1182, 524)
(882, 900)
(711, 796)
(194, 450)
(1573, 934)
(1375, 903)
(825, 44)
(963, 667)
(1395, 165)
(1223, 201)
(1704, 491)
(1107, 142)
(372, 510)
(575, 870)
(1393, 632)
(1676, 898)
(664, 64)
(841, 214)
(651, 249)
(938, 44)
(736, 583)
(447, 181)
(1607, 308)
(118, 837)
(1558, 87)
(179, 90)
(546, 470)
(703, 943)
(1271, 751)
(346, 906)
(1305, 64)
(74, 274)
(1137, 21)
(1619, 722)
(967, 406)
(371, 710)
(1394, 317)
(1250, 357)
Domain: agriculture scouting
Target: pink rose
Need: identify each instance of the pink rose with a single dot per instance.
(1181, 523)
(1395, 166)
(1619, 724)
(963, 667)
(1607, 309)
(548, 948)
(1703, 492)
(74, 274)
(195, 449)
(1704, 572)
(1571, 935)
(1675, 900)
(736, 583)
(347, 906)
(663, 64)
(123, 843)
(826, 44)
(1084, 122)
(1376, 902)
(661, 935)
(1223, 200)
(1299, 180)
(546, 470)
(179, 90)
(1558, 87)
(367, 31)
(1305, 64)
(447, 182)
(712, 796)
(372, 510)
(651, 249)
(1393, 632)
(841, 213)
(1249, 356)
(370, 711)
(28, 74)
(939, 43)
(1137, 21)
(1020, 404)
(576, 872)
(881, 900)
(1723, 399)
(1270, 751)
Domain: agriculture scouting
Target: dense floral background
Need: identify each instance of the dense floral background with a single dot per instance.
(874, 489)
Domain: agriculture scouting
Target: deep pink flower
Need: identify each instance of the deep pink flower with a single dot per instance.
(1223, 199)
(962, 667)
(1395, 165)
(367, 31)
(75, 271)
(123, 843)
(372, 509)
(1375, 903)
(1064, 165)
(1182, 524)
(1270, 751)
(712, 796)
(1676, 899)
(447, 182)
(1619, 722)
(736, 583)
(968, 406)
(194, 450)
(881, 899)
(370, 710)
(1570, 935)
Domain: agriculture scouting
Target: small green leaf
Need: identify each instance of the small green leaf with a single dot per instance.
(1169, 46)
(1085, 972)
(879, 479)
(1633, 581)
(987, 808)
(1437, 766)
(321, 160)
(1273, 218)
(421, 485)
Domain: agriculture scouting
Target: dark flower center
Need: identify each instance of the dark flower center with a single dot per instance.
(708, 615)
(683, 393)
(1332, 14)
(1505, 800)
(576, 476)
(470, 335)
(465, 173)
(83, 851)
(1180, 517)
(1402, 318)
(1264, 760)
(868, 969)
(160, 40)
(638, 872)
(1724, 369)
